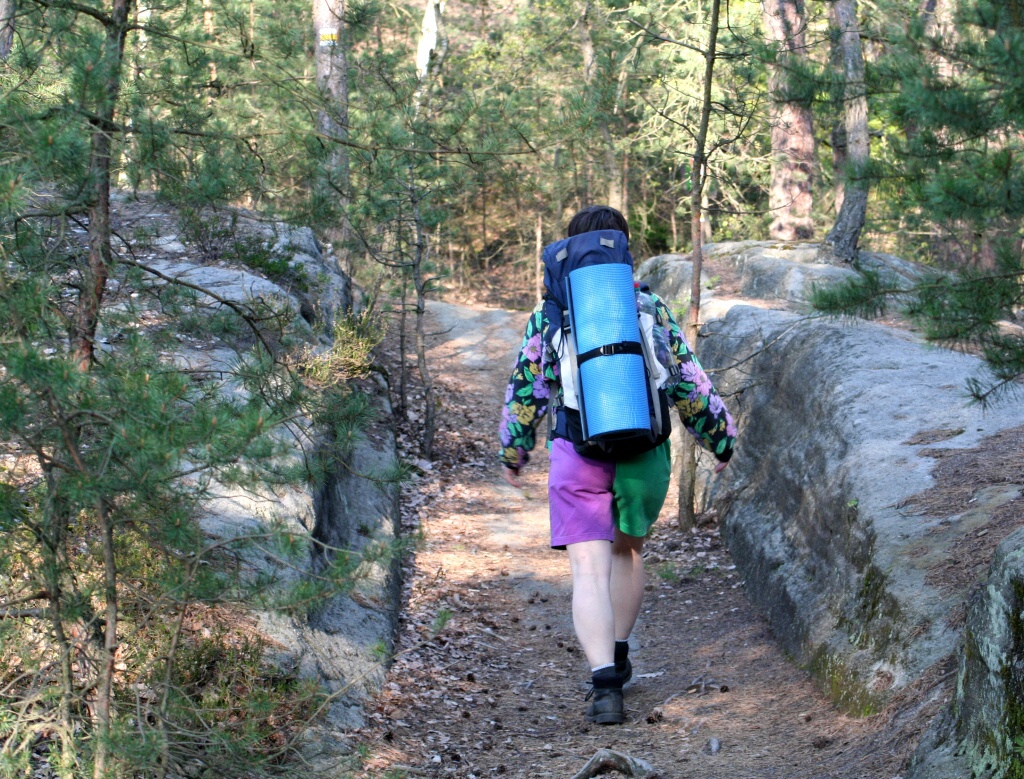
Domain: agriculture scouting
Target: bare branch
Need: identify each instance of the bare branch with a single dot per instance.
(242, 311)
(666, 39)
(24, 614)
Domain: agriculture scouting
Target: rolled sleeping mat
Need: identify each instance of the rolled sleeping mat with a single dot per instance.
(612, 386)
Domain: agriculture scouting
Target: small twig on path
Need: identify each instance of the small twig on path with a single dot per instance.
(478, 642)
(538, 734)
(490, 632)
(411, 770)
(605, 759)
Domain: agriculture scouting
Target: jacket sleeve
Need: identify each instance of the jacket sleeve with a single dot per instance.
(528, 393)
(701, 409)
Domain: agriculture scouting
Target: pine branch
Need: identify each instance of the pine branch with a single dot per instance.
(244, 312)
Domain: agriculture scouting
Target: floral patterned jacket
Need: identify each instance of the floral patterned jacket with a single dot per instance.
(536, 374)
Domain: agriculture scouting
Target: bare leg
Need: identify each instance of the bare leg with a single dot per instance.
(592, 614)
(627, 582)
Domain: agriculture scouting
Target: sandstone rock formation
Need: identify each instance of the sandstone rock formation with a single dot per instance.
(342, 645)
(855, 539)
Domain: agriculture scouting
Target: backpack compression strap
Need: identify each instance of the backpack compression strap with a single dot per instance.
(623, 347)
(631, 347)
(655, 399)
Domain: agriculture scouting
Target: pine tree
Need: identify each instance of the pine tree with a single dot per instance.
(954, 166)
(115, 447)
(844, 236)
(791, 192)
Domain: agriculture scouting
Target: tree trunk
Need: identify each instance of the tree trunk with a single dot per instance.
(615, 189)
(792, 132)
(838, 139)
(430, 57)
(421, 282)
(612, 170)
(485, 260)
(87, 319)
(7, 11)
(938, 19)
(587, 44)
(688, 464)
(937, 16)
(538, 265)
(842, 238)
(210, 30)
(332, 81)
(403, 348)
(54, 556)
(105, 682)
(431, 53)
(94, 282)
(624, 184)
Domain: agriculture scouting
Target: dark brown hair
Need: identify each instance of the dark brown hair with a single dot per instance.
(597, 218)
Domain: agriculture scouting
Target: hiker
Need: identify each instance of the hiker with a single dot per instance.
(603, 495)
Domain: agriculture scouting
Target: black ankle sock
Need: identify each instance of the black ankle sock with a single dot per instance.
(621, 651)
(605, 678)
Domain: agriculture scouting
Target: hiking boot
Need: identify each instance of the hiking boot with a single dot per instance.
(624, 671)
(623, 668)
(606, 708)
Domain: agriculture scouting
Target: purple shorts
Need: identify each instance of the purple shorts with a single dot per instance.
(580, 497)
(589, 499)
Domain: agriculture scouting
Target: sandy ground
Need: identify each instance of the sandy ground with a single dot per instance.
(489, 679)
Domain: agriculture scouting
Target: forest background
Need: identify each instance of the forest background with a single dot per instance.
(435, 148)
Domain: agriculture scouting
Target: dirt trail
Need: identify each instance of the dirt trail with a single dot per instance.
(498, 690)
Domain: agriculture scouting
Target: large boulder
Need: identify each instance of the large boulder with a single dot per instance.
(852, 540)
(981, 733)
(781, 274)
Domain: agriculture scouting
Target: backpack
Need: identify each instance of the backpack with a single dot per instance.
(612, 405)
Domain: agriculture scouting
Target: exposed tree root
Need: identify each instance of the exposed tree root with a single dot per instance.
(607, 759)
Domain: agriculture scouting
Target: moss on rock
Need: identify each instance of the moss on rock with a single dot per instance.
(842, 687)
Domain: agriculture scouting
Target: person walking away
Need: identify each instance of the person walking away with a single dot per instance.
(602, 505)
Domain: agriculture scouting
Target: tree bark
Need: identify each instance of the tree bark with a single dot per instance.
(792, 133)
(211, 33)
(688, 464)
(838, 140)
(7, 11)
(843, 237)
(87, 320)
(431, 53)
(538, 264)
(612, 171)
(94, 281)
(421, 282)
(105, 682)
(430, 57)
(54, 554)
(332, 81)
(937, 16)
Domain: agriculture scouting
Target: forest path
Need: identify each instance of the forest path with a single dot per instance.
(498, 690)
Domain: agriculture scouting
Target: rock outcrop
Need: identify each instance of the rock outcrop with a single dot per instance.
(343, 644)
(864, 503)
(779, 274)
(980, 734)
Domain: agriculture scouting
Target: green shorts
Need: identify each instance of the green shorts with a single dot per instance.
(639, 489)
